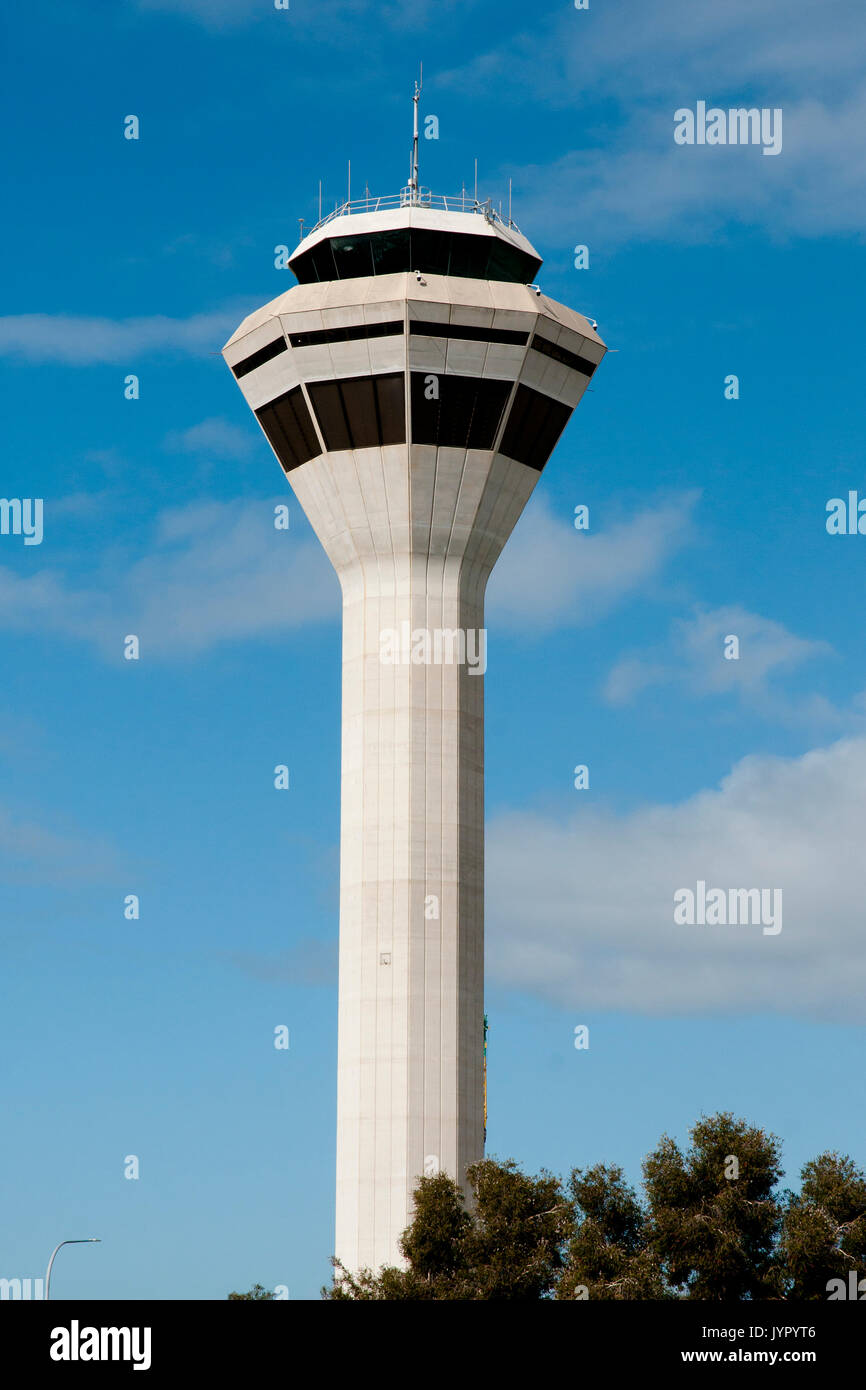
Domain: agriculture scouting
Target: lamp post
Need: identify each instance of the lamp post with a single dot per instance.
(88, 1240)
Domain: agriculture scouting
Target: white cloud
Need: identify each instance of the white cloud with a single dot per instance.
(216, 437)
(641, 185)
(218, 571)
(82, 341)
(694, 658)
(631, 675)
(628, 74)
(633, 51)
(582, 913)
(234, 577)
(215, 572)
(549, 573)
(33, 853)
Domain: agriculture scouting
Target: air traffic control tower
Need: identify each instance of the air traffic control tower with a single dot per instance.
(412, 385)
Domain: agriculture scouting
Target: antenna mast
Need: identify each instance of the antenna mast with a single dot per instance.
(413, 171)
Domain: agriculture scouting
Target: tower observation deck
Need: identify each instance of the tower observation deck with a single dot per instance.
(412, 386)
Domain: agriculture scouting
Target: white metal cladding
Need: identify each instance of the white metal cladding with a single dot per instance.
(535, 314)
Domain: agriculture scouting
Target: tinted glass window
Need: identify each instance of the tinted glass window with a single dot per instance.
(350, 334)
(391, 405)
(439, 253)
(352, 256)
(507, 263)
(361, 412)
(305, 269)
(470, 256)
(328, 405)
(390, 251)
(534, 426)
(468, 331)
(561, 354)
(323, 261)
(431, 251)
(466, 414)
(359, 404)
(258, 359)
(490, 401)
(289, 428)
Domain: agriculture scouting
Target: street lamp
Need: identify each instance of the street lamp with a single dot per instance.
(89, 1240)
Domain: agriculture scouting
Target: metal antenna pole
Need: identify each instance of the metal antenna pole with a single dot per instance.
(476, 182)
(509, 202)
(320, 200)
(349, 194)
(413, 175)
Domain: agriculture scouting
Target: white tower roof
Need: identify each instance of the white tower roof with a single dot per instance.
(441, 214)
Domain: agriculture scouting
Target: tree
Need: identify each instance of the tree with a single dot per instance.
(714, 1218)
(514, 1243)
(607, 1254)
(711, 1225)
(432, 1246)
(824, 1228)
(257, 1294)
(508, 1247)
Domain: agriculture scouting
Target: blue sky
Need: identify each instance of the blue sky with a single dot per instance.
(155, 1037)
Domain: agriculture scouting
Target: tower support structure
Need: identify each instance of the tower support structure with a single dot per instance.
(412, 386)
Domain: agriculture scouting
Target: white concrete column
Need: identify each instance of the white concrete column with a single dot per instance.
(413, 536)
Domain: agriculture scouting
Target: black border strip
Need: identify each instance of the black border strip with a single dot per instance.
(561, 354)
(351, 334)
(468, 331)
(258, 359)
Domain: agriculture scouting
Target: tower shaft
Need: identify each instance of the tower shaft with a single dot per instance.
(413, 568)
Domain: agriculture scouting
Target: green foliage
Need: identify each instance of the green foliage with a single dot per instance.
(607, 1255)
(257, 1294)
(434, 1243)
(711, 1224)
(824, 1228)
(509, 1247)
(514, 1244)
(715, 1234)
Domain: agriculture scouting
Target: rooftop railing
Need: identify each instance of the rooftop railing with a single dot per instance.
(419, 198)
